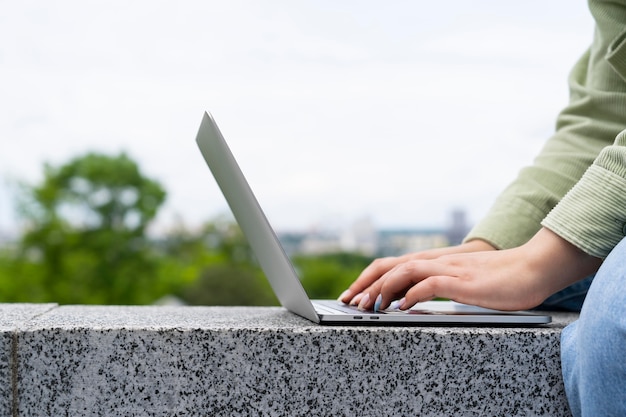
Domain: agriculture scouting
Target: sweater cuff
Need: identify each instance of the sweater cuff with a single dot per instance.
(509, 224)
(596, 227)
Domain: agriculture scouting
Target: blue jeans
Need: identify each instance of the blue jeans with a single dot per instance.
(593, 349)
(568, 299)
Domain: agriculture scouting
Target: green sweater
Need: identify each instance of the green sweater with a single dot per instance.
(576, 186)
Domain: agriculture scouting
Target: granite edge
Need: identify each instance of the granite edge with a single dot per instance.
(10, 328)
(86, 318)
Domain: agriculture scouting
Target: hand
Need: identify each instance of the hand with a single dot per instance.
(381, 266)
(513, 279)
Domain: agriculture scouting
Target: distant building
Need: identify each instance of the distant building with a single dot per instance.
(321, 243)
(458, 227)
(291, 242)
(362, 237)
(401, 241)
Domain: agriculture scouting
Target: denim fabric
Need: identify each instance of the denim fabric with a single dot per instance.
(568, 299)
(593, 349)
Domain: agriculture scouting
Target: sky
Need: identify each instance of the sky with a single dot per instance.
(395, 111)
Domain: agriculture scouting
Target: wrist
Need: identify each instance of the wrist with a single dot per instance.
(556, 263)
(478, 245)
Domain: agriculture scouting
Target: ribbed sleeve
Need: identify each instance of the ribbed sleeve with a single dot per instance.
(592, 216)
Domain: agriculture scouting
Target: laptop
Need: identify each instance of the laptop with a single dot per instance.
(282, 275)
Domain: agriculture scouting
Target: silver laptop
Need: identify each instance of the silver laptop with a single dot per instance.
(281, 273)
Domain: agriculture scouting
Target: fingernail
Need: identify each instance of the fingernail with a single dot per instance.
(356, 299)
(345, 294)
(394, 305)
(364, 301)
(378, 302)
(401, 303)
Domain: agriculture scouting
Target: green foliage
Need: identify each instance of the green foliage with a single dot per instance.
(326, 276)
(85, 242)
(225, 284)
(218, 266)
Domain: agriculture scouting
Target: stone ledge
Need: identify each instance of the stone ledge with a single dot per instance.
(183, 361)
(12, 318)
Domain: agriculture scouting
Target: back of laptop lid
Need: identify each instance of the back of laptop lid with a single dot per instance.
(252, 220)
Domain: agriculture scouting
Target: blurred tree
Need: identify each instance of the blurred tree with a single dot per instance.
(327, 276)
(227, 273)
(229, 285)
(87, 225)
(85, 242)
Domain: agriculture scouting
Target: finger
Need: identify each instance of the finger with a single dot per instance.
(379, 267)
(468, 291)
(397, 281)
(367, 277)
(437, 286)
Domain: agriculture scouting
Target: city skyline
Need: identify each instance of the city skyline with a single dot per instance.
(364, 237)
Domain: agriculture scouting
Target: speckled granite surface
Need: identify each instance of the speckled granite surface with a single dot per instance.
(12, 317)
(184, 361)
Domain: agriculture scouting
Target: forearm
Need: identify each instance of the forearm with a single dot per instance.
(555, 263)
